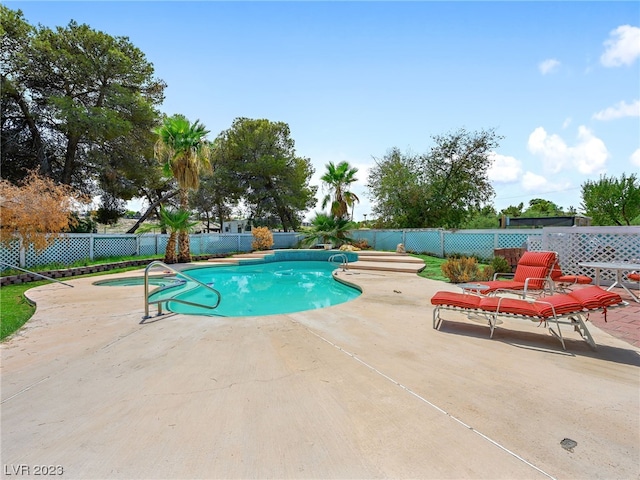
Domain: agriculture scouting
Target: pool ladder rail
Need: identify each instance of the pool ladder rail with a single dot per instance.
(178, 274)
(341, 260)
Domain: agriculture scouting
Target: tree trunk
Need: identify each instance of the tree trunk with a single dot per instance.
(170, 252)
(184, 248)
(70, 159)
(151, 209)
(38, 145)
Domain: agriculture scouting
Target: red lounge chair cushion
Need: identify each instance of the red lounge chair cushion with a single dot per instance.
(634, 276)
(509, 305)
(535, 265)
(579, 279)
(561, 304)
(595, 297)
(502, 284)
(557, 276)
(454, 299)
(543, 308)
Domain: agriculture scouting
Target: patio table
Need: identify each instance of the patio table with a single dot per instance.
(619, 267)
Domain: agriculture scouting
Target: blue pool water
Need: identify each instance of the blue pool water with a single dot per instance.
(260, 289)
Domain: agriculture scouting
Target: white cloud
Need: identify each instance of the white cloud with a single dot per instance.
(635, 158)
(622, 48)
(548, 66)
(567, 122)
(554, 152)
(532, 182)
(619, 110)
(504, 169)
(588, 156)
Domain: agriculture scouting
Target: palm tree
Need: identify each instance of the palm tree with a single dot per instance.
(175, 221)
(184, 151)
(337, 179)
(328, 229)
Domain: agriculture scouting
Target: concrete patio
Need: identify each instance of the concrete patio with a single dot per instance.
(366, 389)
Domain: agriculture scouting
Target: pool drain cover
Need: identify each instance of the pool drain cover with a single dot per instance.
(568, 444)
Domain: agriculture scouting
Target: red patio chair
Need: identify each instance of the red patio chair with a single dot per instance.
(532, 275)
(564, 283)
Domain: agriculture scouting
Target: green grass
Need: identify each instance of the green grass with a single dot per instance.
(432, 269)
(15, 308)
(81, 263)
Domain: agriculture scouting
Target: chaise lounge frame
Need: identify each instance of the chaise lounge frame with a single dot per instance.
(562, 309)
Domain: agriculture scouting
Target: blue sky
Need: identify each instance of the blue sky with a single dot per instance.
(559, 80)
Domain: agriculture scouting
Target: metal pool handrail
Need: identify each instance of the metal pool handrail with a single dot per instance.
(158, 263)
(344, 260)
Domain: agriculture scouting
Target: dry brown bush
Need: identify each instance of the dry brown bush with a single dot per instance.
(35, 211)
(262, 238)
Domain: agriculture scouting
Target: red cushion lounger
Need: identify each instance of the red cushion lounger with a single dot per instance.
(563, 283)
(532, 274)
(568, 309)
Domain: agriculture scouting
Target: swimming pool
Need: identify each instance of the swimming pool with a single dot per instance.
(259, 289)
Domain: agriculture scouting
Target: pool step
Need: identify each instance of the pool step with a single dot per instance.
(367, 260)
(388, 257)
(385, 266)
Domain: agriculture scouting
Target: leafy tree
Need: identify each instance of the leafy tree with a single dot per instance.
(539, 207)
(612, 201)
(111, 210)
(34, 210)
(337, 179)
(74, 101)
(273, 180)
(220, 191)
(394, 186)
(442, 188)
(184, 152)
(513, 211)
(485, 218)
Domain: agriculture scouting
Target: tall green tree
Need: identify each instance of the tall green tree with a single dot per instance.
(394, 185)
(261, 159)
(539, 207)
(183, 150)
(77, 104)
(513, 210)
(441, 188)
(611, 200)
(338, 179)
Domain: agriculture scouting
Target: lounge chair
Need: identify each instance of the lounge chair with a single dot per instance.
(532, 275)
(562, 309)
(564, 283)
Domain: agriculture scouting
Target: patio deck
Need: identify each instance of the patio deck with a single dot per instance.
(366, 389)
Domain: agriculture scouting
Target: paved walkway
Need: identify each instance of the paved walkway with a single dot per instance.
(622, 323)
(365, 389)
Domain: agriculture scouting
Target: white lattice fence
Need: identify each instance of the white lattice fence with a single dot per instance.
(441, 243)
(65, 251)
(593, 244)
(121, 246)
(425, 241)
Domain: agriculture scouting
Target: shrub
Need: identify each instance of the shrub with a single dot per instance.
(262, 238)
(500, 264)
(361, 244)
(465, 269)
